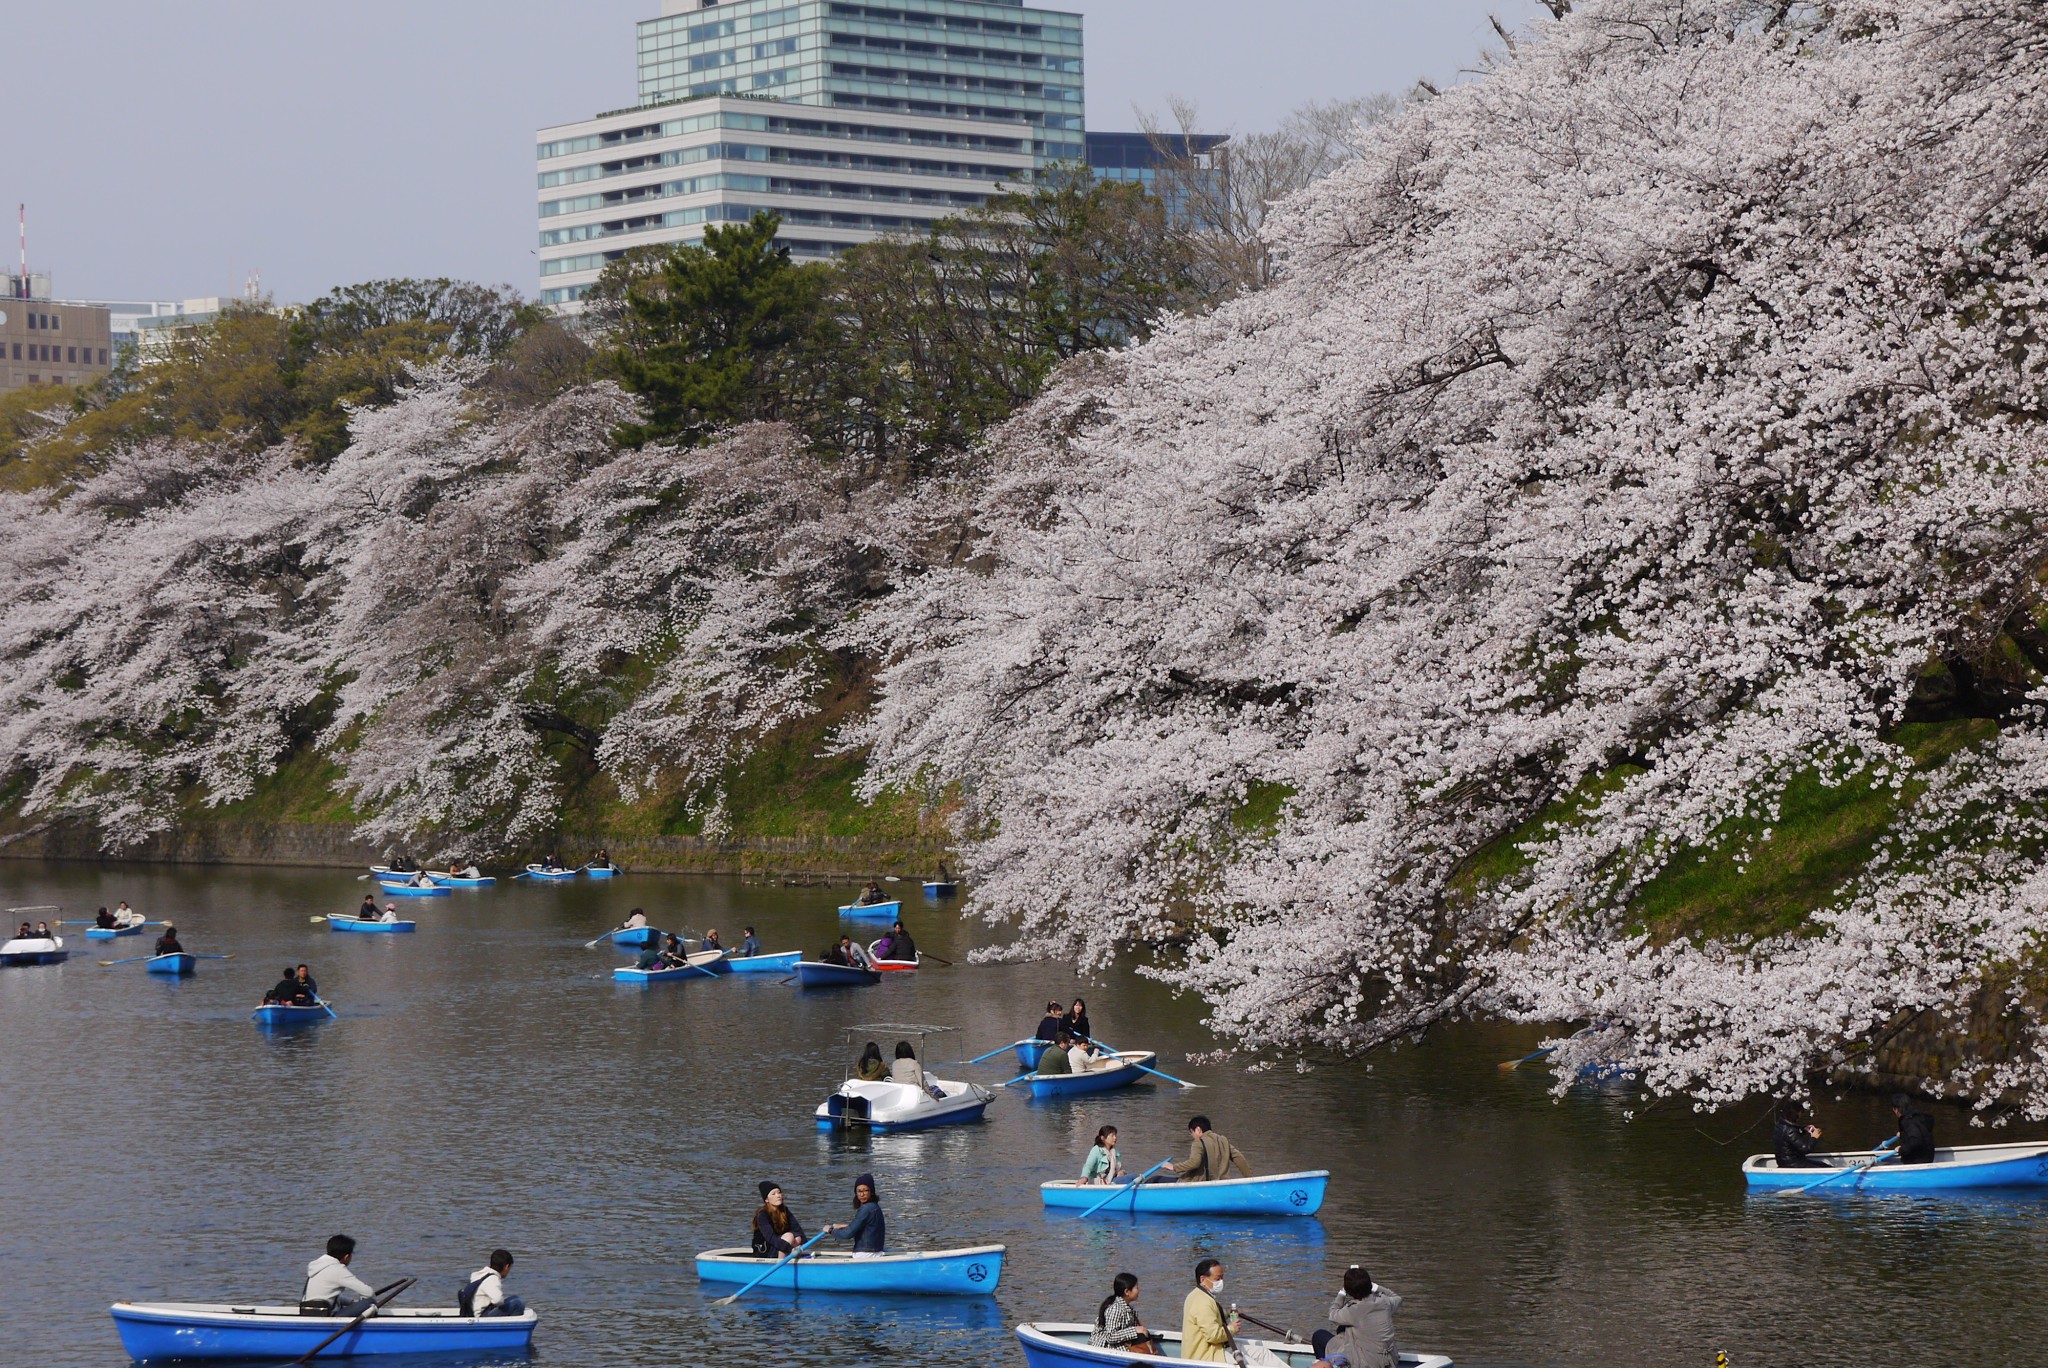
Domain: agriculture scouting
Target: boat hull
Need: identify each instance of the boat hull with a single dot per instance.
(594, 872)
(940, 890)
(379, 927)
(179, 1331)
(1957, 1169)
(1030, 1052)
(878, 1106)
(412, 891)
(784, 963)
(812, 974)
(703, 963)
(893, 966)
(1282, 1194)
(286, 1014)
(1065, 1345)
(110, 932)
(34, 950)
(175, 965)
(1094, 1081)
(638, 937)
(969, 1272)
(887, 910)
(536, 872)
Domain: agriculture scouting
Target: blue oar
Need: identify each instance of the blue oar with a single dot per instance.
(209, 956)
(1154, 1072)
(1529, 1058)
(1882, 1152)
(1131, 1187)
(999, 1049)
(108, 964)
(1018, 1079)
(728, 1301)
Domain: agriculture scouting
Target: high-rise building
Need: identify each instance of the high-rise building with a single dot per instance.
(43, 342)
(849, 120)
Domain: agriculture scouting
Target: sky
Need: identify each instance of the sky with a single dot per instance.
(169, 151)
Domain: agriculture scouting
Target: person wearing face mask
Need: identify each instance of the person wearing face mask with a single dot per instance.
(1205, 1331)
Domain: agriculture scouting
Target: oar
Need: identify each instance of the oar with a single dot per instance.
(108, 964)
(1018, 1079)
(212, 956)
(1126, 1188)
(592, 945)
(327, 1007)
(998, 1050)
(1134, 1064)
(926, 954)
(377, 1299)
(1514, 1064)
(1881, 1152)
(728, 1301)
(1287, 1335)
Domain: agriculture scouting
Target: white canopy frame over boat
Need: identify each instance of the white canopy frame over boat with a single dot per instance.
(32, 949)
(887, 1105)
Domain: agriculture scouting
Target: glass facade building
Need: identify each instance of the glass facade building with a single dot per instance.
(850, 120)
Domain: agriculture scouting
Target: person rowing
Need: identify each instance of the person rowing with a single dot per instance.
(870, 895)
(901, 946)
(105, 920)
(868, 1231)
(332, 1286)
(776, 1228)
(468, 871)
(550, 861)
(750, 945)
(1363, 1321)
(368, 911)
(1916, 1131)
(290, 990)
(635, 920)
(849, 954)
(168, 943)
(1210, 1156)
(303, 976)
(420, 880)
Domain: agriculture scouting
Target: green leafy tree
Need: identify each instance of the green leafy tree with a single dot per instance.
(711, 334)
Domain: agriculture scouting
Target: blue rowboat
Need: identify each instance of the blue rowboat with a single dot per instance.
(110, 932)
(191, 1330)
(346, 923)
(638, 937)
(1029, 1052)
(784, 963)
(1282, 1194)
(463, 880)
(971, 1272)
(411, 891)
(698, 965)
(179, 964)
(538, 872)
(891, 909)
(600, 871)
(940, 888)
(1057, 1344)
(286, 1014)
(1120, 1074)
(816, 974)
(2024, 1164)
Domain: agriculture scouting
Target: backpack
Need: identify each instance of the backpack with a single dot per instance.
(465, 1298)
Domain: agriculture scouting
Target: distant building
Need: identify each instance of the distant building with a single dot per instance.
(850, 120)
(155, 332)
(1137, 158)
(44, 342)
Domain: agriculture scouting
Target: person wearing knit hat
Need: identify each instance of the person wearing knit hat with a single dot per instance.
(776, 1228)
(867, 1230)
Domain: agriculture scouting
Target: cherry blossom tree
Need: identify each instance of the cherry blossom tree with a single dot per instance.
(1633, 431)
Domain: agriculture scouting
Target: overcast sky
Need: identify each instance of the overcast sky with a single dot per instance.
(165, 151)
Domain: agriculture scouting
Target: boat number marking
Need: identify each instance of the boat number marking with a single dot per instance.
(977, 1272)
(1299, 1196)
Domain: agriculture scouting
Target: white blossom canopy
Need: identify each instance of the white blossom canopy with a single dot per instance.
(1637, 430)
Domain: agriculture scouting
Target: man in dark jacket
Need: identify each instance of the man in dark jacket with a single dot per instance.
(1795, 1138)
(1916, 1131)
(904, 947)
(1363, 1315)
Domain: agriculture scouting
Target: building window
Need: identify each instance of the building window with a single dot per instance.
(17, 351)
(71, 355)
(103, 356)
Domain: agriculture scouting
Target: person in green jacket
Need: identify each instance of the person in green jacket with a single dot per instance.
(1055, 1061)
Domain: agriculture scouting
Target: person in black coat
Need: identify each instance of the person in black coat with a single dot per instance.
(904, 948)
(776, 1228)
(1052, 1023)
(1795, 1138)
(287, 990)
(1916, 1131)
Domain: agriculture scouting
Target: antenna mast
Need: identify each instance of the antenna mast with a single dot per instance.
(22, 288)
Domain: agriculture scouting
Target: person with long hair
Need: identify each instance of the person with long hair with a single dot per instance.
(1102, 1164)
(776, 1228)
(871, 1067)
(1116, 1321)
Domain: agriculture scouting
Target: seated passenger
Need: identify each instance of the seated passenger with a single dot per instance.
(1056, 1060)
(884, 947)
(711, 941)
(651, 957)
(871, 1068)
(390, 913)
(104, 921)
(1794, 1138)
(905, 1069)
(750, 944)
(167, 943)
